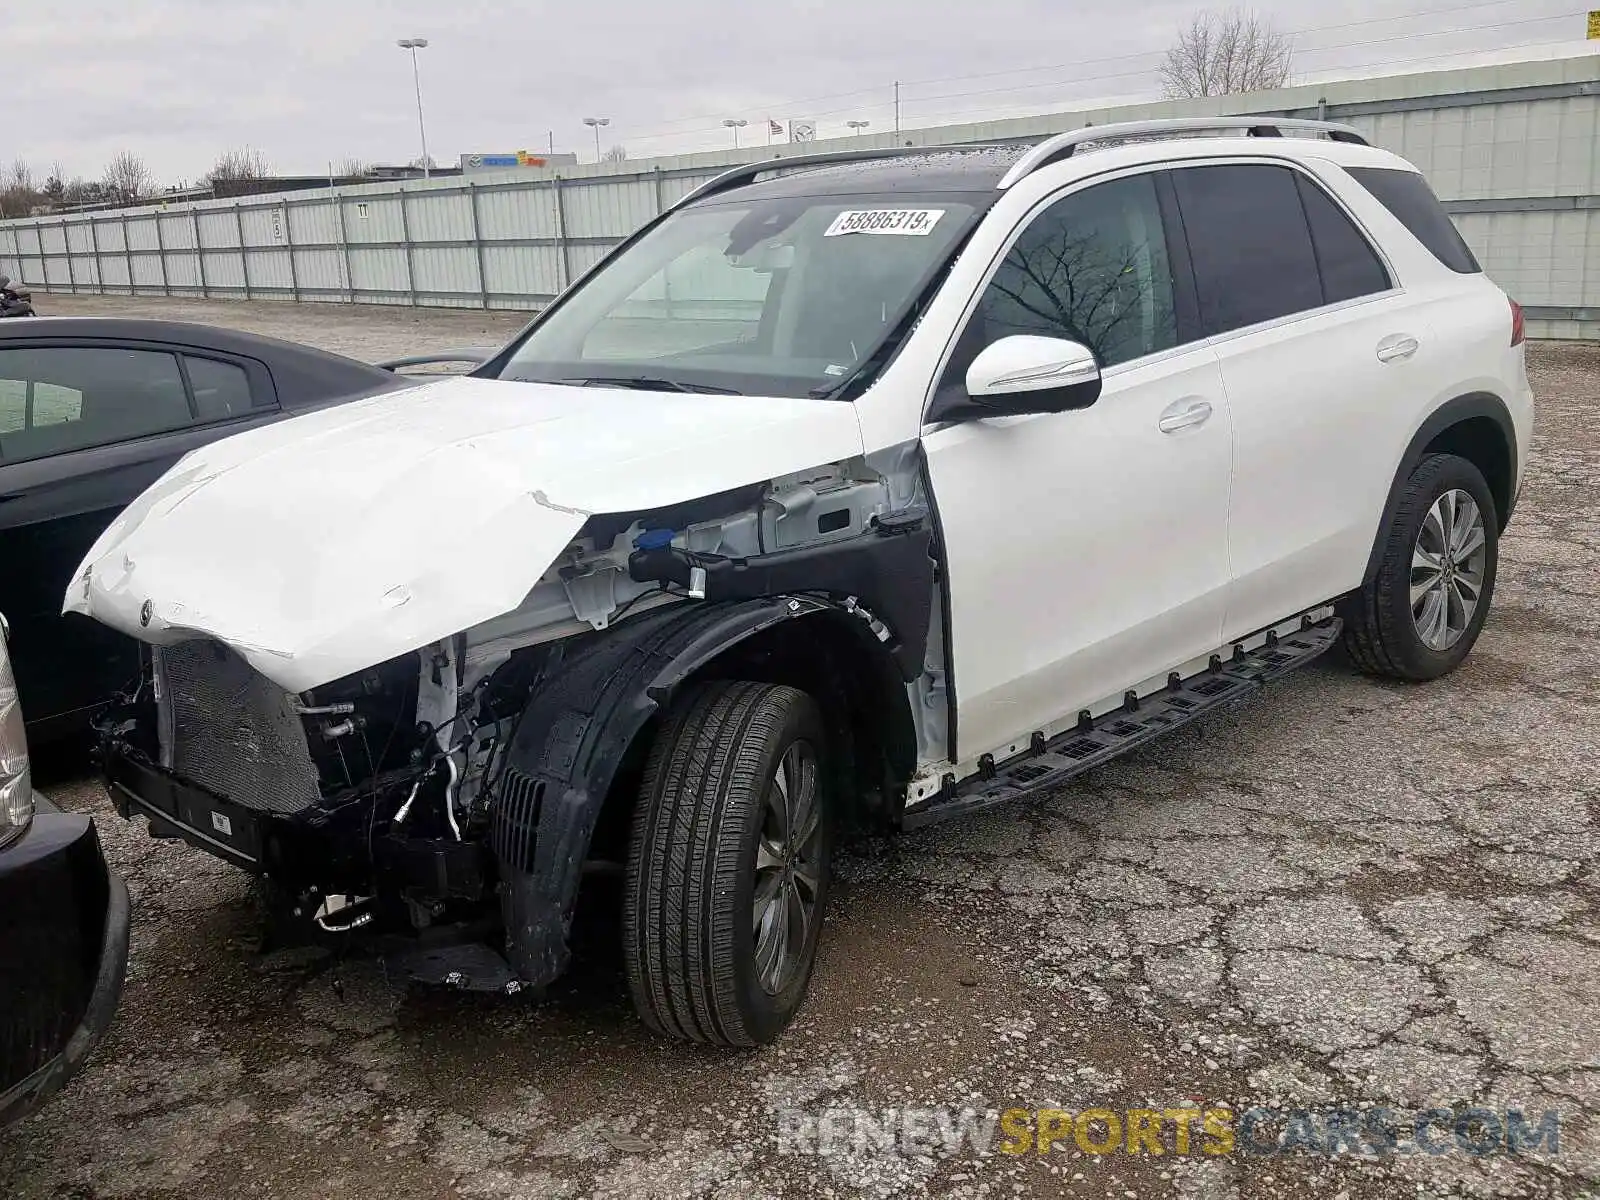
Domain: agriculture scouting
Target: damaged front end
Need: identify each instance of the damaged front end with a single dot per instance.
(362, 813)
(444, 802)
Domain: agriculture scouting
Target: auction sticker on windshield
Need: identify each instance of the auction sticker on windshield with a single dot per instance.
(914, 222)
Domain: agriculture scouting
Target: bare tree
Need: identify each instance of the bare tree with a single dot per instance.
(127, 179)
(615, 154)
(351, 167)
(17, 194)
(1222, 52)
(239, 165)
(425, 161)
(85, 191)
(55, 184)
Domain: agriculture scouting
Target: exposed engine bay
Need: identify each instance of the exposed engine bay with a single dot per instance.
(398, 800)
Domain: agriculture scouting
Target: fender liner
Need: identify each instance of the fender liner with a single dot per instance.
(1451, 412)
(571, 741)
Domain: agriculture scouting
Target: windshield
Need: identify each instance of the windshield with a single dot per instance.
(782, 296)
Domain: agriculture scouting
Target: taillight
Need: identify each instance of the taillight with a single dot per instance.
(1517, 328)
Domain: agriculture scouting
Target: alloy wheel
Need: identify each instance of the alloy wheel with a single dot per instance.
(788, 876)
(1448, 565)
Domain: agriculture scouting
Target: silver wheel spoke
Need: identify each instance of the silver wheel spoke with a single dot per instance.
(799, 926)
(770, 923)
(776, 959)
(1431, 621)
(1468, 526)
(1465, 604)
(767, 888)
(784, 809)
(1436, 526)
(1423, 580)
(807, 812)
(769, 855)
(806, 876)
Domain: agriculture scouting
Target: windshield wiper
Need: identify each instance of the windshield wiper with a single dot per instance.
(646, 383)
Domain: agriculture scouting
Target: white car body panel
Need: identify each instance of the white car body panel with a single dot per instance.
(1122, 583)
(334, 541)
(1313, 402)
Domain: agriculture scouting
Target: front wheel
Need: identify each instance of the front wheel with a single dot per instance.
(728, 867)
(1420, 615)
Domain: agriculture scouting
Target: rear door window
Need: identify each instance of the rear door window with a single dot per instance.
(1407, 195)
(1249, 242)
(58, 399)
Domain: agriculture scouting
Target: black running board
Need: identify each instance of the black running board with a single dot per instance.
(1093, 742)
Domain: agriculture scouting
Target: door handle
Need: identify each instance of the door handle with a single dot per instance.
(1397, 348)
(1184, 414)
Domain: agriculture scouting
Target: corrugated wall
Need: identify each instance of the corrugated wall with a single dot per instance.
(1510, 149)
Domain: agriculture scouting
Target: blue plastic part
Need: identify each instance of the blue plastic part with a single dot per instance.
(653, 539)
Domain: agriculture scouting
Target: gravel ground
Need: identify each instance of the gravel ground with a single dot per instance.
(1344, 894)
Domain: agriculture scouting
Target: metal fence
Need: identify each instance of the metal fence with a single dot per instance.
(1511, 150)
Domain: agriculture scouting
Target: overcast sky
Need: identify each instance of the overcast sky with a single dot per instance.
(307, 81)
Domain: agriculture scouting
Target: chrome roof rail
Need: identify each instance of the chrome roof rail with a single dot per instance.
(1054, 149)
(747, 172)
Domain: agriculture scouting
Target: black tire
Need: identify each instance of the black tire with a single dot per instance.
(1380, 634)
(689, 935)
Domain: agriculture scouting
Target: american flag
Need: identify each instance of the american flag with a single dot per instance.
(774, 128)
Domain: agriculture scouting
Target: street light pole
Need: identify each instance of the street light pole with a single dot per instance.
(595, 123)
(735, 125)
(413, 45)
(858, 126)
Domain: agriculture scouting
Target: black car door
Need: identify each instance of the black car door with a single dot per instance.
(84, 428)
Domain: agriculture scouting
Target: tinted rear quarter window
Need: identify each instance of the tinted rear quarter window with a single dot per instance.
(1252, 253)
(1407, 195)
(1346, 260)
(221, 390)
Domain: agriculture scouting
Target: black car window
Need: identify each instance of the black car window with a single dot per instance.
(1408, 196)
(1346, 262)
(1093, 267)
(1248, 239)
(57, 399)
(221, 390)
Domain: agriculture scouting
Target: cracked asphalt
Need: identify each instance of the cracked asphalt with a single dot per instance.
(1343, 894)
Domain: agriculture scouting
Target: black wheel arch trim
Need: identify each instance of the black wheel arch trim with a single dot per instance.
(1452, 412)
(575, 735)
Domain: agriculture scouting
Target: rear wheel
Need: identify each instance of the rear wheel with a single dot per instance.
(728, 866)
(1420, 615)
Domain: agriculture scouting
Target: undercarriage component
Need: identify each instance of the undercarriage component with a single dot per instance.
(469, 966)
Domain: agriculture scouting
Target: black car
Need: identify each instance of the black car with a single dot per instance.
(64, 940)
(92, 411)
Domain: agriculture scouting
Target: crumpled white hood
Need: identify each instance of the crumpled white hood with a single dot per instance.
(333, 541)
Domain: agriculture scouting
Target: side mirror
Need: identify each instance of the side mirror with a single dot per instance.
(1026, 373)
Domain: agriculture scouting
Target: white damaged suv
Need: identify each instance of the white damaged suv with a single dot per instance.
(854, 491)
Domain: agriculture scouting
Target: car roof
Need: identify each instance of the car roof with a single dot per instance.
(978, 170)
(302, 374)
(969, 169)
(182, 333)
